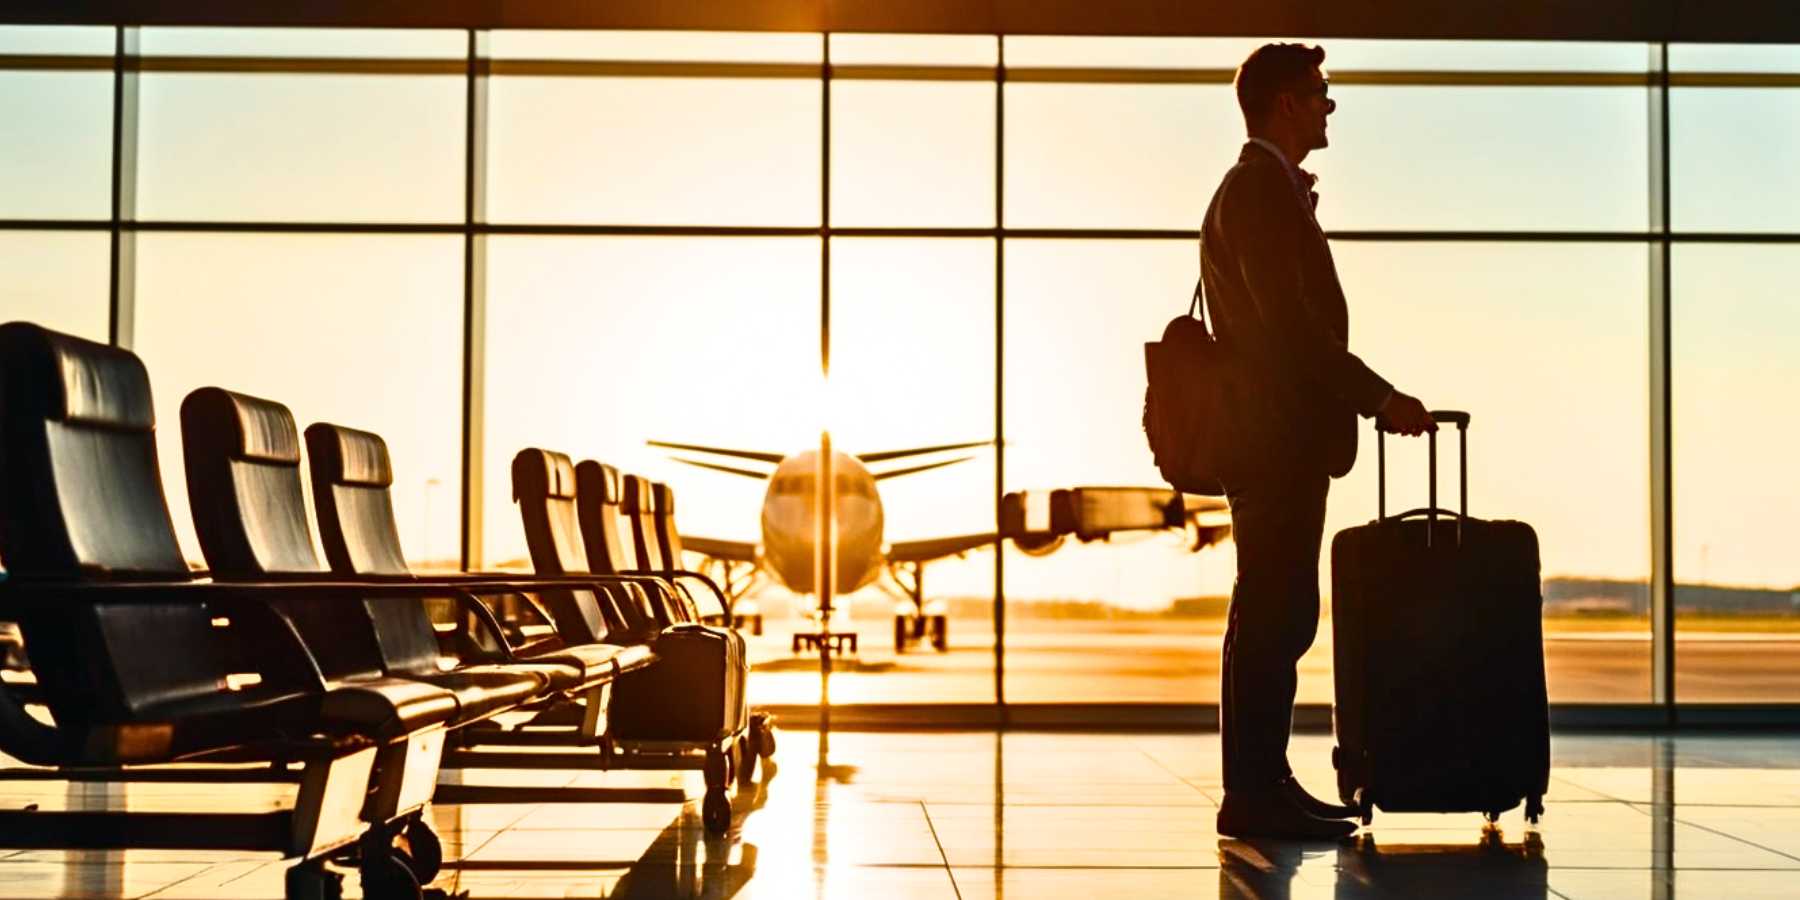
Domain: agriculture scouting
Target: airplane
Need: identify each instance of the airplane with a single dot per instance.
(1037, 522)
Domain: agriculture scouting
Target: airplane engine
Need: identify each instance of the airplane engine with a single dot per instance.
(1039, 544)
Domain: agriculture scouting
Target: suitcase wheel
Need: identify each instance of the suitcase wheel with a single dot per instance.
(1365, 806)
(762, 734)
(715, 812)
(1534, 809)
(1492, 816)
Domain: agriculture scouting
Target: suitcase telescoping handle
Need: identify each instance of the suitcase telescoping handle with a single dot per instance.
(1445, 416)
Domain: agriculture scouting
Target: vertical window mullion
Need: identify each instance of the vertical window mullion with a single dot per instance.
(122, 278)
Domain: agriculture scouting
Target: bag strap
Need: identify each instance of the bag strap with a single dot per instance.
(1197, 306)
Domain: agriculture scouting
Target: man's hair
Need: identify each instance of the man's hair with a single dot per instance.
(1269, 71)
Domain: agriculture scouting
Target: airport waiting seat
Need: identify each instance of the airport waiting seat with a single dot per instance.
(608, 545)
(619, 520)
(138, 663)
(623, 506)
(740, 614)
(242, 455)
(711, 729)
(351, 479)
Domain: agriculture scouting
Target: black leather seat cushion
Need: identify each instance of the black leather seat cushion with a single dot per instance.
(351, 477)
(81, 501)
(243, 462)
(600, 495)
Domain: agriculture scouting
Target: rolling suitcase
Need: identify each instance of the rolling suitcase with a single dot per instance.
(694, 692)
(1437, 622)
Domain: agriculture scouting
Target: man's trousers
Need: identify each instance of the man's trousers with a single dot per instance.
(1277, 523)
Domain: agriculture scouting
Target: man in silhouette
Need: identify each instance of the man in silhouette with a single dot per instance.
(1275, 299)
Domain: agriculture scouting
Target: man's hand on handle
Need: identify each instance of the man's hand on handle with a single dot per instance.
(1404, 414)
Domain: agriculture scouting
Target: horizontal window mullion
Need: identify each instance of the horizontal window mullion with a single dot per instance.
(922, 72)
(1146, 234)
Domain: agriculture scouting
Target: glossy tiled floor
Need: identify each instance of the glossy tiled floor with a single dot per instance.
(1040, 815)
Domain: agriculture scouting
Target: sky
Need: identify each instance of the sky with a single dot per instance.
(595, 345)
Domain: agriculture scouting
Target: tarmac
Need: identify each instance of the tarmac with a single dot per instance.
(1097, 661)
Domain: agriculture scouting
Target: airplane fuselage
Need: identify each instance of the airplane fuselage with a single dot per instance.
(790, 522)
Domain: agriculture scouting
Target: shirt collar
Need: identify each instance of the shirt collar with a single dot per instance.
(1293, 171)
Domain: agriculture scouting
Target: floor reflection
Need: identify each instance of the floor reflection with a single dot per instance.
(1022, 816)
(1487, 868)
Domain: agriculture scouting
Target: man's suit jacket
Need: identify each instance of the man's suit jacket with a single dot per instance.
(1276, 304)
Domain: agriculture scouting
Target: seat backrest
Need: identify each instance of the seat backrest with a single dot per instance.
(599, 501)
(78, 468)
(668, 540)
(639, 510)
(544, 487)
(351, 477)
(243, 478)
(243, 465)
(81, 499)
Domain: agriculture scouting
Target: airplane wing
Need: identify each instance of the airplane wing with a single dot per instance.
(729, 470)
(753, 455)
(735, 551)
(1038, 521)
(936, 548)
(909, 470)
(885, 455)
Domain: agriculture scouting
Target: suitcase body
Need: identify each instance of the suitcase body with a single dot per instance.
(694, 692)
(1437, 624)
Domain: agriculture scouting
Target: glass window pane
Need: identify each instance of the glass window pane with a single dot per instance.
(310, 147)
(1486, 158)
(1150, 156)
(1066, 422)
(597, 345)
(58, 279)
(57, 40)
(649, 151)
(912, 366)
(1546, 346)
(1138, 618)
(657, 46)
(56, 145)
(386, 43)
(1341, 53)
(638, 330)
(912, 153)
(914, 49)
(1118, 156)
(1734, 58)
(1731, 151)
(355, 330)
(1737, 610)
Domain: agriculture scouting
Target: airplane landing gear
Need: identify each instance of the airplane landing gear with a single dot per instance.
(917, 626)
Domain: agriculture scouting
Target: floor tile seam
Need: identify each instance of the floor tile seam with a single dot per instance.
(1058, 804)
(1741, 840)
(1089, 868)
(1679, 805)
(1172, 773)
(1651, 813)
(471, 851)
(180, 881)
(926, 811)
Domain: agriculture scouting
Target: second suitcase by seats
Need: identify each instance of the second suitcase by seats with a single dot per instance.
(1437, 624)
(693, 699)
